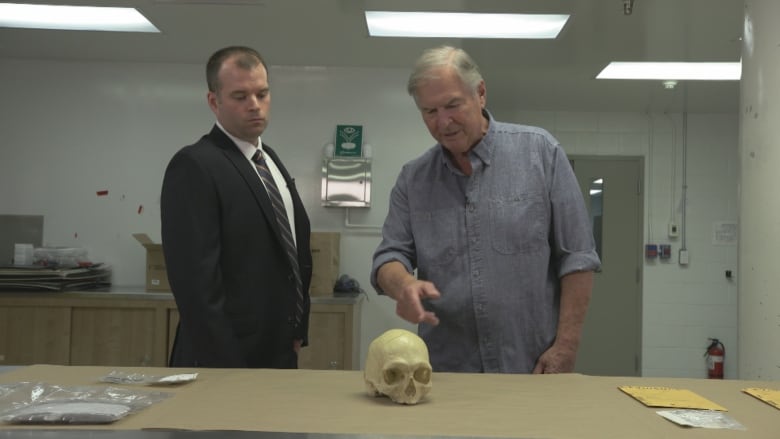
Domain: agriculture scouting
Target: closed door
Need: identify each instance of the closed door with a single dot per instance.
(612, 335)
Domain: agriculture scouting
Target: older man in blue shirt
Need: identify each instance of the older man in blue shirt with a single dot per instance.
(494, 223)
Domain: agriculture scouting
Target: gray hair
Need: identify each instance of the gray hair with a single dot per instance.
(443, 56)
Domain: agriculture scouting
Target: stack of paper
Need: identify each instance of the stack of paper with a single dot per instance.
(54, 279)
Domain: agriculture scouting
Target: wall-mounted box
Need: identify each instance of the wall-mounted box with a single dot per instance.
(346, 182)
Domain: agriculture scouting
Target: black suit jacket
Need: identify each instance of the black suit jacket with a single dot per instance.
(234, 286)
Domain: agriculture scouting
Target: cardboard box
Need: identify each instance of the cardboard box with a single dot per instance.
(325, 248)
(156, 274)
(325, 263)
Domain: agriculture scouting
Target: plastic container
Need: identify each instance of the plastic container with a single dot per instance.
(60, 256)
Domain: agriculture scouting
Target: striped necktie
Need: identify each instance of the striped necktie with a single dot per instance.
(284, 225)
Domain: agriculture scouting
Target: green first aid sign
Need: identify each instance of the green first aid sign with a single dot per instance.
(349, 141)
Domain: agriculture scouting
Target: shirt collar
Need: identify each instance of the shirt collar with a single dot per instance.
(484, 149)
(245, 147)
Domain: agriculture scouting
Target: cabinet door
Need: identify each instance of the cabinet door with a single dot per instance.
(115, 337)
(34, 335)
(326, 341)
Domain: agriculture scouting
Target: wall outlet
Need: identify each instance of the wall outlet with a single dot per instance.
(673, 230)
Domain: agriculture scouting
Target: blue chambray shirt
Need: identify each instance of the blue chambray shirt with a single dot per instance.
(495, 244)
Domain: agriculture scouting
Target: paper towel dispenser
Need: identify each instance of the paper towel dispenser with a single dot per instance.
(346, 182)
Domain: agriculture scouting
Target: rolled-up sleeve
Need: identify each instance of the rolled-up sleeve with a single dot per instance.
(397, 238)
(573, 243)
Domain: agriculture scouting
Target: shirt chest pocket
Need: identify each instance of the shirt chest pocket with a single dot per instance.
(519, 224)
(438, 236)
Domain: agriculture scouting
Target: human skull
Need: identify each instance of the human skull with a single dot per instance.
(397, 366)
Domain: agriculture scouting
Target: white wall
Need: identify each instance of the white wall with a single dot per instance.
(71, 129)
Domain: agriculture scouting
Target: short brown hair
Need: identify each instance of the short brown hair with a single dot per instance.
(246, 58)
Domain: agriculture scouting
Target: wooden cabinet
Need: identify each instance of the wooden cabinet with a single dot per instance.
(137, 329)
(334, 328)
(90, 328)
(34, 334)
(115, 336)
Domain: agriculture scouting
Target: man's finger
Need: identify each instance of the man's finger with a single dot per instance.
(430, 318)
(430, 293)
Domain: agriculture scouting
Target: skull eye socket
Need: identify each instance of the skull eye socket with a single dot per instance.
(422, 375)
(392, 375)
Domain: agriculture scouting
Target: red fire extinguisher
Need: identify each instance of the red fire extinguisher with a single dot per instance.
(716, 355)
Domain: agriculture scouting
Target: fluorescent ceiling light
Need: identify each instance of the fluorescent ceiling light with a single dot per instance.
(706, 71)
(463, 25)
(31, 16)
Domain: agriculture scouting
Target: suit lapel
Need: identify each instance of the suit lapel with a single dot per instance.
(249, 175)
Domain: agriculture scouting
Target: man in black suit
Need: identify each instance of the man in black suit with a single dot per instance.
(241, 301)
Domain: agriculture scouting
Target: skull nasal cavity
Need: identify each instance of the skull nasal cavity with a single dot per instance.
(410, 389)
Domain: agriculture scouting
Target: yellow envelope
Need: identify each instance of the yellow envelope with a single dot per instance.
(769, 396)
(669, 397)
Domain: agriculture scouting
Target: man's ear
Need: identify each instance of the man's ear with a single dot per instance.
(482, 93)
(211, 98)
